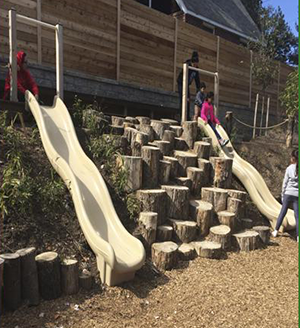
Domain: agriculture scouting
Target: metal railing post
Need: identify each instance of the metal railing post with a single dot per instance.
(59, 61)
(185, 92)
(13, 54)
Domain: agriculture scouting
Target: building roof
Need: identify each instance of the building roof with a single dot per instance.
(230, 15)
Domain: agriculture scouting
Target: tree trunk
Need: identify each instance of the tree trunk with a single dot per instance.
(186, 252)
(264, 233)
(202, 149)
(202, 213)
(174, 166)
(197, 177)
(229, 219)
(205, 165)
(247, 240)
(169, 136)
(11, 281)
(290, 132)
(184, 231)
(49, 275)
(177, 129)
(177, 201)
(164, 172)
(154, 200)
(180, 144)
(208, 249)
(222, 171)
(134, 169)
(216, 196)
(86, 280)
(148, 226)
(29, 275)
(190, 132)
(69, 276)
(150, 157)
(185, 160)
(164, 233)
(164, 255)
(222, 235)
(138, 140)
(164, 147)
(159, 127)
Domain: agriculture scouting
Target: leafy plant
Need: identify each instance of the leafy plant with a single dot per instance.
(289, 97)
(133, 205)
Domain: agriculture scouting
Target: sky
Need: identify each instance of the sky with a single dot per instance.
(289, 8)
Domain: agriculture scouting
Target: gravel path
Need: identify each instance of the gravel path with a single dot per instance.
(257, 289)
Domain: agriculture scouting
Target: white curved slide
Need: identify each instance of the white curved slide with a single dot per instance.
(118, 253)
(251, 179)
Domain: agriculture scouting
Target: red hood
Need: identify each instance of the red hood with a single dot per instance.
(20, 58)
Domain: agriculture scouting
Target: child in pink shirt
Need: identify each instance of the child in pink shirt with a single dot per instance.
(208, 116)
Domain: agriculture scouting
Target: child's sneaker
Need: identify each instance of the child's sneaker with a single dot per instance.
(274, 233)
(224, 142)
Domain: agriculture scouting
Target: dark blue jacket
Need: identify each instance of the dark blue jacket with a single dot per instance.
(193, 75)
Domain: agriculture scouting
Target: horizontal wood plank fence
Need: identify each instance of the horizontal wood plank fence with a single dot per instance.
(124, 40)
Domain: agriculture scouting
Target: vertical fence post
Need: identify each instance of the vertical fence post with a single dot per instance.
(175, 54)
(185, 92)
(13, 54)
(218, 54)
(250, 82)
(262, 115)
(216, 92)
(278, 90)
(118, 38)
(59, 61)
(267, 118)
(39, 30)
(255, 116)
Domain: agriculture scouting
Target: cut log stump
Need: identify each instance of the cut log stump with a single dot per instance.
(184, 182)
(202, 149)
(117, 120)
(11, 280)
(148, 129)
(208, 249)
(170, 137)
(177, 201)
(164, 147)
(116, 130)
(177, 130)
(207, 139)
(159, 127)
(205, 165)
(185, 160)
(180, 144)
(202, 212)
(133, 166)
(229, 219)
(144, 120)
(247, 223)
(174, 166)
(132, 120)
(170, 121)
(150, 157)
(235, 205)
(246, 241)
(69, 276)
(216, 196)
(164, 255)
(29, 276)
(222, 171)
(222, 235)
(197, 177)
(154, 200)
(184, 231)
(148, 226)
(86, 280)
(164, 172)
(190, 130)
(264, 233)
(164, 233)
(48, 265)
(187, 252)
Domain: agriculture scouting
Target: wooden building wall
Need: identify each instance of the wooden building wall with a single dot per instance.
(124, 40)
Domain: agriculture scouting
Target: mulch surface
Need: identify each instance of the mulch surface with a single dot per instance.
(256, 289)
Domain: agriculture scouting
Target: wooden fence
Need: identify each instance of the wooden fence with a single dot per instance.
(126, 41)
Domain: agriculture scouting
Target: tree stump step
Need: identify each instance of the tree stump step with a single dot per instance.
(208, 249)
(187, 252)
(86, 280)
(174, 166)
(185, 160)
(184, 182)
(69, 276)
(264, 233)
(202, 212)
(177, 129)
(164, 255)
(177, 201)
(164, 233)
(247, 223)
(246, 241)
(222, 235)
(216, 196)
(184, 231)
(180, 144)
(227, 218)
(148, 226)
(202, 149)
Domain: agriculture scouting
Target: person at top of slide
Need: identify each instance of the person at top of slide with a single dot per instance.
(290, 193)
(24, 79)
(208, 116)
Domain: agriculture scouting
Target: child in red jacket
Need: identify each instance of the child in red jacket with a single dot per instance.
(24, 79)
(207, 115)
